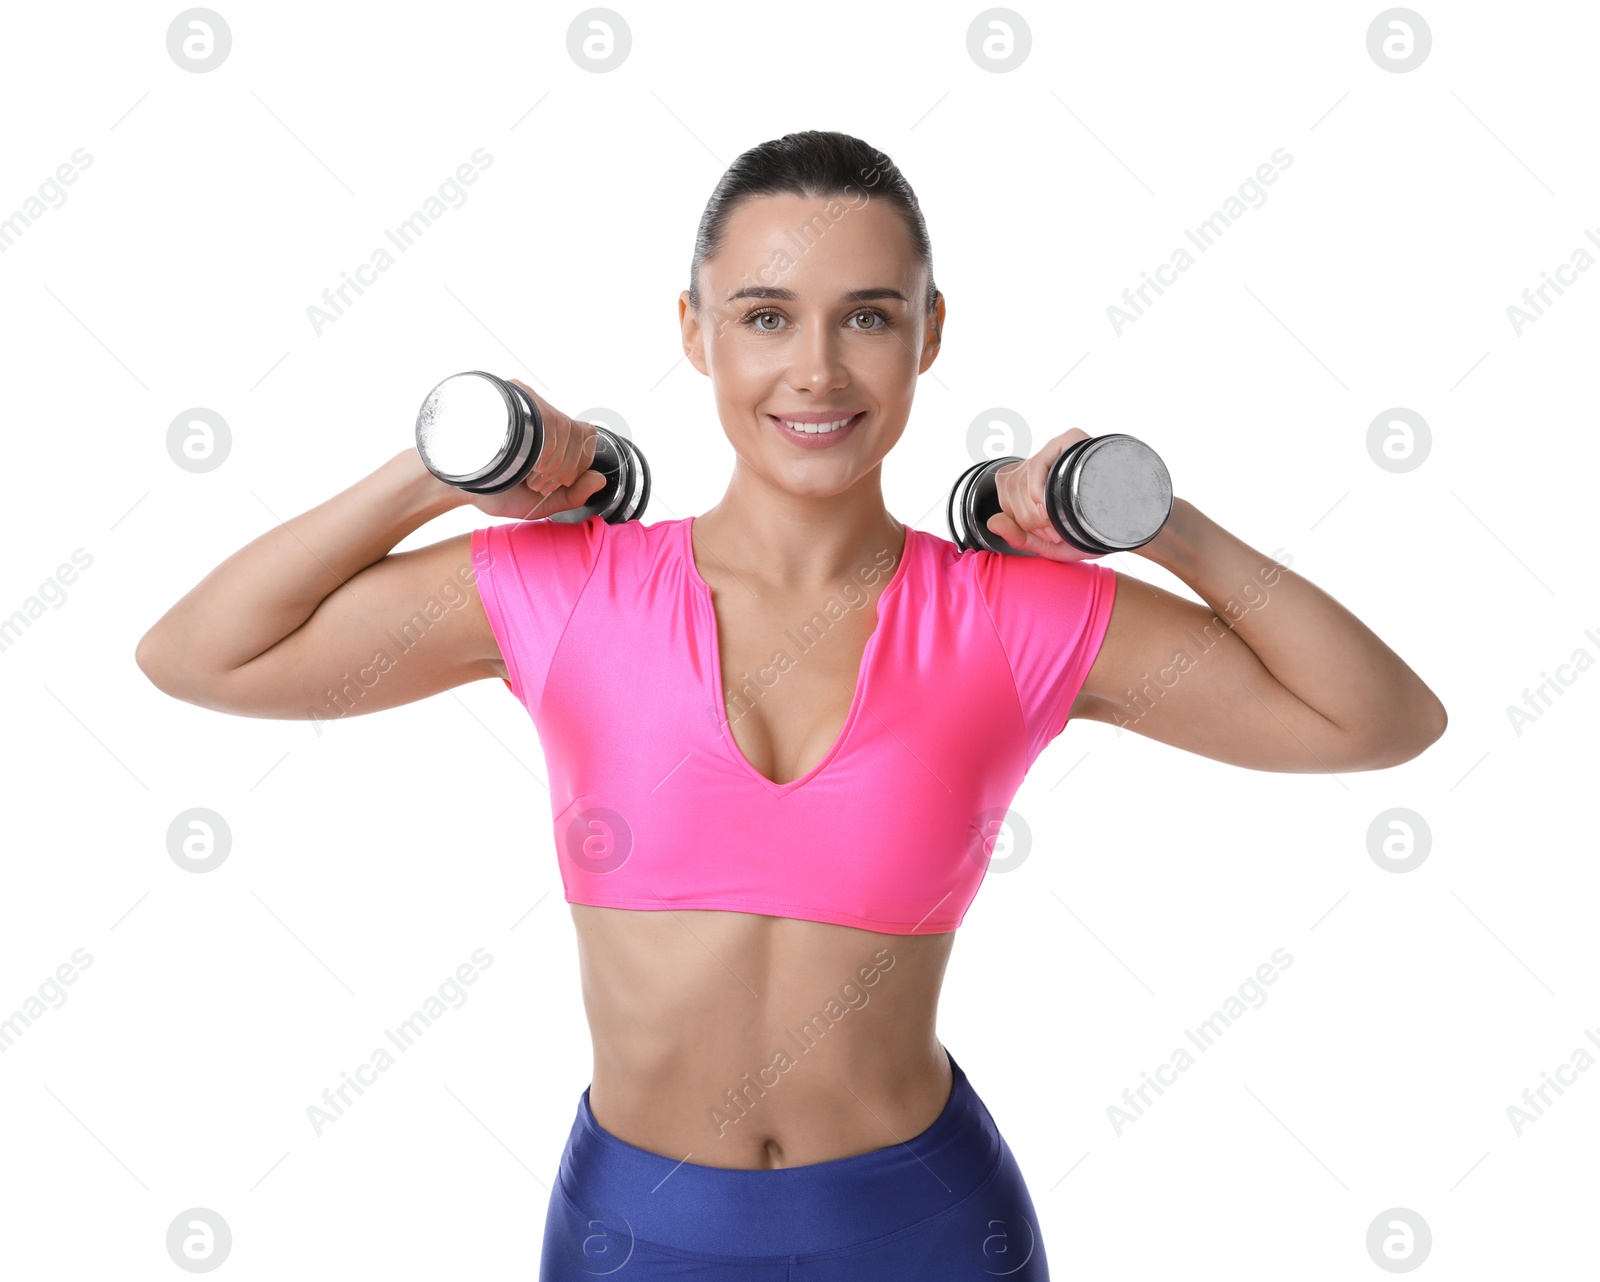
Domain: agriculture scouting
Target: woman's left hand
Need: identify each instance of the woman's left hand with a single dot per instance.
(1022, 521)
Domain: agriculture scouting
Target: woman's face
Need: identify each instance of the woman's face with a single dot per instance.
(813, 307)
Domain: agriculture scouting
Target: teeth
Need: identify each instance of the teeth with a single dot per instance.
(815, 428)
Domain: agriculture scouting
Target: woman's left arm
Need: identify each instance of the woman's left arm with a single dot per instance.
(1271, 674)
(1274, 675)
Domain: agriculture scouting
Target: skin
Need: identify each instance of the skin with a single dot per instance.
(684, 1006)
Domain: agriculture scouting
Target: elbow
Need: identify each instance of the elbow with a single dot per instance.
(144, 654)
(1427, 732)
(1438, 721)
(1404, 741)
(1428, 724)
(174, 670)
(159, 665)
(147, 655)
(145, 649)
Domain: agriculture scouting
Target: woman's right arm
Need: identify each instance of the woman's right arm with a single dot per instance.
(320, 618)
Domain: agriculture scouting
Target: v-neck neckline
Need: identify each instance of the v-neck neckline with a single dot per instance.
(721, 705)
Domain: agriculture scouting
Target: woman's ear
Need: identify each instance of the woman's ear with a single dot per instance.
(693, 338)
(931, 348)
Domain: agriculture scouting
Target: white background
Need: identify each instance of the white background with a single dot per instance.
(370, 861)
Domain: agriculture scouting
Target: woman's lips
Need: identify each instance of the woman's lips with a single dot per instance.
(815, 440)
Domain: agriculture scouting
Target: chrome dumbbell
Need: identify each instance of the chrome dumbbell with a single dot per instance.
(483, 434)
(1103, 494)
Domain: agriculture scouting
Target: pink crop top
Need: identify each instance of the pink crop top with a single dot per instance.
(610, 642)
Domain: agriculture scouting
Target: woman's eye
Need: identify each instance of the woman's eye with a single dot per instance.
(754, 319)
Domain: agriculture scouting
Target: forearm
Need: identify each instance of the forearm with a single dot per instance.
(1312, 645)
(272, 585)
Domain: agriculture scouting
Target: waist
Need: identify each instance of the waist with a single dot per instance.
(737, 1040)
(815, 1207)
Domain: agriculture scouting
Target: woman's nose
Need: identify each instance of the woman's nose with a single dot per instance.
(817, 360)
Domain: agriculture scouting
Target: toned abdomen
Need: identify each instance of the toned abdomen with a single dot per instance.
(738, 1040)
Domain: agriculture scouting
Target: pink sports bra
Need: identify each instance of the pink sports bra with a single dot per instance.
(610, 642)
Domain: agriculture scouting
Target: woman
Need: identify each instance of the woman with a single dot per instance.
(779, 735)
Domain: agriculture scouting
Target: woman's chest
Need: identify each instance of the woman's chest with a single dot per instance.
(789, 672)
(720, 693)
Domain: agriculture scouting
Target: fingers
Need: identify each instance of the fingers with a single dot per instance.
(567, 452)
(539, 479)
(578, 454)
(557, 481)
(1038, 472)
(1057, 549)
(566, 497)
(1017, 536)
(528, 504)
(1008, 530)
(567, 456)
(544, 478)
(1040, 464)
(1020, 488)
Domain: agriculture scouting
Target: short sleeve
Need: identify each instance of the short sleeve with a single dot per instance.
(1051, 617)
(530, 575)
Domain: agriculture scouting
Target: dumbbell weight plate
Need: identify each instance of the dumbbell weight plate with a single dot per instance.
(1113, 493)
(974, 492)
(478, 433)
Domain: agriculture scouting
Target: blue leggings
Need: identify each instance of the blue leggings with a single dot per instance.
(947, 1204)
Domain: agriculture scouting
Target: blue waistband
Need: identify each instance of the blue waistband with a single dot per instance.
(822, 1206)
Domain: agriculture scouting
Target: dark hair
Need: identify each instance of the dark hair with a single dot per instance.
(813, 163)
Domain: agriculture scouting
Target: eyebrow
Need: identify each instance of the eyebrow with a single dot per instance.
(789, 296)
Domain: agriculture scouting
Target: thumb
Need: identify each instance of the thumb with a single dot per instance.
(1008, 530)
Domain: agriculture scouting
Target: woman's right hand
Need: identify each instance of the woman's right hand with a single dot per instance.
(561, 478)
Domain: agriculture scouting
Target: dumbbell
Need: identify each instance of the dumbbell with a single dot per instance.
(1103, 494)
(483, 434)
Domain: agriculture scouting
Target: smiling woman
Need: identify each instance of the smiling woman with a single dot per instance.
(727, 877)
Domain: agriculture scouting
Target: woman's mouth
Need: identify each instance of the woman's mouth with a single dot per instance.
(816, 435)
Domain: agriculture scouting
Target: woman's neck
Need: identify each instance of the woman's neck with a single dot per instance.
(795, 541)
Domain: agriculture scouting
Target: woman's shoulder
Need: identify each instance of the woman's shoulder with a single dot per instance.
(592, 531)
(997, 575)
